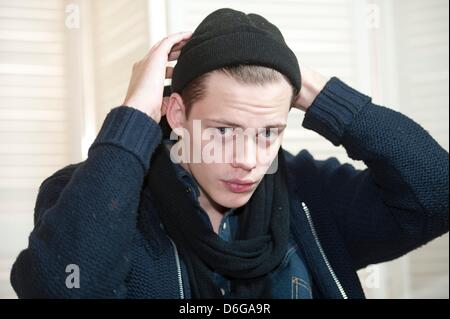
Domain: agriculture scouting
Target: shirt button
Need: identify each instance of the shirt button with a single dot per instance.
(222, 291)
(224, 226)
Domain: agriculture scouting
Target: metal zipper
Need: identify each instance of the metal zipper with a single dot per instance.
(316, 238)
(179, 275)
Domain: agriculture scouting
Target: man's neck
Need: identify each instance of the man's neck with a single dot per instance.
(214, 211)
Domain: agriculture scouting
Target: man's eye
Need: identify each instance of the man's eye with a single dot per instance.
(268, 133)
(225, 130)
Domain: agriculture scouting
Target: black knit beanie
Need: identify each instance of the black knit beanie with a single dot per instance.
(228, 37)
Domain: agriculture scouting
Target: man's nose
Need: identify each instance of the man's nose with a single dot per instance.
(245, 154)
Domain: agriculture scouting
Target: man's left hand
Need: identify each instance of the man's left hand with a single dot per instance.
(312, 83)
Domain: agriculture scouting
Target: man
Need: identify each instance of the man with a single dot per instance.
(139, 224)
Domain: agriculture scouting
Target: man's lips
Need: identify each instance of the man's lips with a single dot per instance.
(239, 186)
(240, 181)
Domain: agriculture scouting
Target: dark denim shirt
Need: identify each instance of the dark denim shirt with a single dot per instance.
(291, 280)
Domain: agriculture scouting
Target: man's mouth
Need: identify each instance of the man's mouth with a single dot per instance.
(239, 186)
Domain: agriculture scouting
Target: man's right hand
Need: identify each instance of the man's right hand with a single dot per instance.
(145, 91)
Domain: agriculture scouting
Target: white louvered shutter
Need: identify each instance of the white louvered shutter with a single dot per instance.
(34, 128)
(422, 33)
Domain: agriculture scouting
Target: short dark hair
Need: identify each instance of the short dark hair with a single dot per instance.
(246, 74)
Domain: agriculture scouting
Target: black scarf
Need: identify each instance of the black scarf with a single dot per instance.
(260, 243)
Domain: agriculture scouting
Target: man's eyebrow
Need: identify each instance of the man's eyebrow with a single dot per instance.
(231, 124)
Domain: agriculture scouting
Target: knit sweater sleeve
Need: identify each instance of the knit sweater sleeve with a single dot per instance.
(400, 201)
(86, 214)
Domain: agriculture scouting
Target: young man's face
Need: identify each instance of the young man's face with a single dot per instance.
(235, 123)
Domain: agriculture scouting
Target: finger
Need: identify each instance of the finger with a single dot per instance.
(168, 42)
(175, 38)
(157, 44)
(177, 48)
(179, 45)
(169, 72)
(174, 55)
(165, 103)
(153, 48)
(183, 36)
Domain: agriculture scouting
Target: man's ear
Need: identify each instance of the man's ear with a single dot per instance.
(175, 111)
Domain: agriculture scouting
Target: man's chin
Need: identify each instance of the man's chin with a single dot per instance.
(232, 200)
